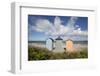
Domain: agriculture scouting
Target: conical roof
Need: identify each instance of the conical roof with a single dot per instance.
(59, 38)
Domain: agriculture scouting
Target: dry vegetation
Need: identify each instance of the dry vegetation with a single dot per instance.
(37, 53)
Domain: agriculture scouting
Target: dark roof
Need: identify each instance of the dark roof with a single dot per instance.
(50, 39)
(59, 38)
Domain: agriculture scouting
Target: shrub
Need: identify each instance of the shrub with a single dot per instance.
(38, 53)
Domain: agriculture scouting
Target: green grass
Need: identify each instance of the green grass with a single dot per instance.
(37, 53)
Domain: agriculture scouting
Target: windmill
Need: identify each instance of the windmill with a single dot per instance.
(58, 32)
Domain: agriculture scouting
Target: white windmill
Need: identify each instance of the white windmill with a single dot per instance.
(59, 45)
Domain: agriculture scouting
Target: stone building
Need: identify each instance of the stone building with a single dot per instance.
(69, 46)
(59, 45)
(50, 44)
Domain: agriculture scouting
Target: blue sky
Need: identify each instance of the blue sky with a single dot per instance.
(41, 27)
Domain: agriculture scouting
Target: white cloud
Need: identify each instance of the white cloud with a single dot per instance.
(79, 32)
(56, 28)
(42, 25)
(76, 26)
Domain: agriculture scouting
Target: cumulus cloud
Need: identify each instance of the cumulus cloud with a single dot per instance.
(58, 29)
(79, 32)
(42, 25)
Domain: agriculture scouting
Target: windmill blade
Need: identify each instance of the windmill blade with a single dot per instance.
(72, 22)
(57, 23)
